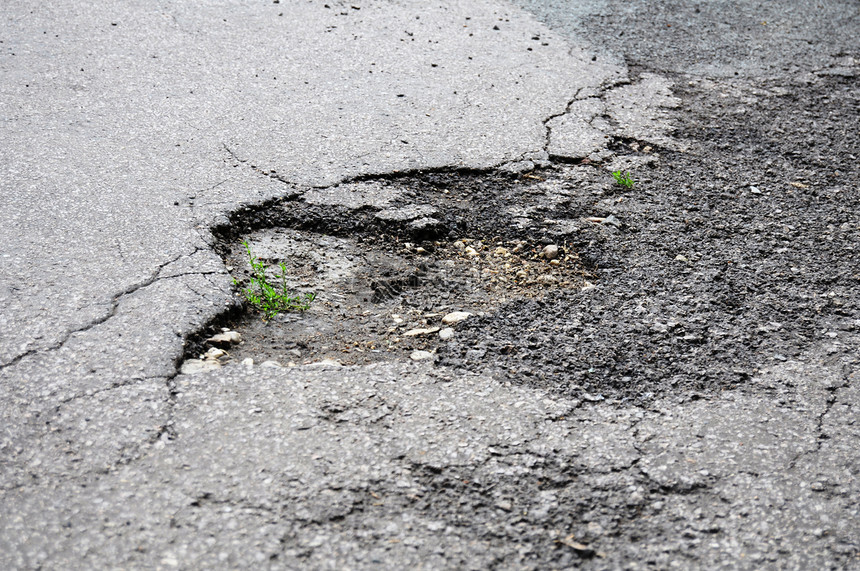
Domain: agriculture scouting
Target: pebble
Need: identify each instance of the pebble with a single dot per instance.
(446, 334)
(455, 317)
(471, 252)
(755, 190)
(414, 332)
(248, 362)
(227, 337)
(215, 353)
(680, 258)
(421, 355)
(550, 252)
(271, 364)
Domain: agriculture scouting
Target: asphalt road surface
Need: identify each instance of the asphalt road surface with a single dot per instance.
(677, 387)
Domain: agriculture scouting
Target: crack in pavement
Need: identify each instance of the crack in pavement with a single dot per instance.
(130, 452)
(829, 402)
(111, 312)
(546, 121)
(269, 174)
(114, 306)
(540, 155)
(114, 303)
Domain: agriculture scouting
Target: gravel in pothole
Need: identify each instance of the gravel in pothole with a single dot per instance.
(382, 298)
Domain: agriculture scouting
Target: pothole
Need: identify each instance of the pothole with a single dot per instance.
(380, 298)
(392, 259)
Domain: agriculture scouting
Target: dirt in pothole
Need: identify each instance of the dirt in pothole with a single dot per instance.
(384, 298)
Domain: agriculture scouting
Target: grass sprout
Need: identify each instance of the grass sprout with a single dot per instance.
(623, 179)
(272, 298)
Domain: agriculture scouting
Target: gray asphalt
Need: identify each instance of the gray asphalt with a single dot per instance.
(128, 131)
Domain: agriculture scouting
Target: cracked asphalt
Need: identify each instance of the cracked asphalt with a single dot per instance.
(694, 407)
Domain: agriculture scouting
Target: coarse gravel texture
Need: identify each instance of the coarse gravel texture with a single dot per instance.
(739, 252)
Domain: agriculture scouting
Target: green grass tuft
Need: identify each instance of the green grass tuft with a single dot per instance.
(623, 179)
(272, 299)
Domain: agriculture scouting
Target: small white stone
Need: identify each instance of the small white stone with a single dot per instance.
(215, 353)
(680, 258)
(455, 317)
(225, 337)
(446, 334)
(270, 364)
(550, 252)
(414, 332)
(421, 355)
(472, 252)
(248, 362)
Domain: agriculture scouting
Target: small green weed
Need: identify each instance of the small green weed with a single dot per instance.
(623, 179)
(268, 298)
